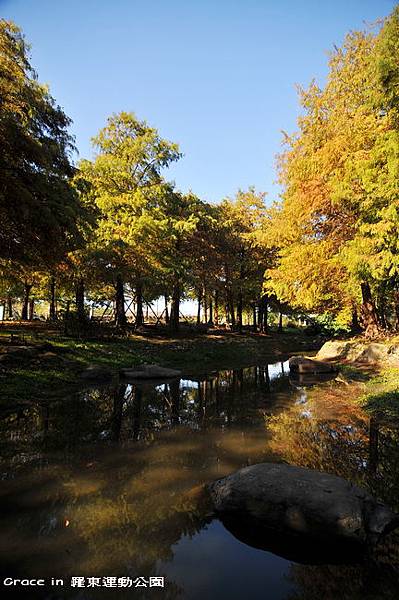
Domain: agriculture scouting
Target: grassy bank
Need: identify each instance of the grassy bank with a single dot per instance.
(382, 395)
(39, 361)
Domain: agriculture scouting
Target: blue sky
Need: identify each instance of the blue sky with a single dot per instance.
(216, 76)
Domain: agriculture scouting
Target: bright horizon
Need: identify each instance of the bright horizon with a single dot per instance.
(218, 78)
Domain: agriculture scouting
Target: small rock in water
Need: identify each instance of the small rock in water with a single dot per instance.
(302, 365)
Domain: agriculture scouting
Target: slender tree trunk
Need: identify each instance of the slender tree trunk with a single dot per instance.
(80, 299)
(199, 296)
(231, 310)
(261, 315)
(265, 314)
(369, 313)
(67, 308)
(210, 322)
(31, 309)
(175, 308)
(216, 308)
(25, 305)
(205, 307)
(9, 307)
(239, 312)
(280, 322)
(166, 310)
(52, 310)
(120, 315)
(139, 305)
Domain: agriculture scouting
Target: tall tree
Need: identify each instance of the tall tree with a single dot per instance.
(336, 225)
(38, 205)
(125, 182)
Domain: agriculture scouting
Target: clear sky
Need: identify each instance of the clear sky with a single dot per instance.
(216, 76)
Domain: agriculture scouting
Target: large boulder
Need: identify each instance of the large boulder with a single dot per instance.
(360, 351)
(149, 372)
(303, 365)
(304, 502)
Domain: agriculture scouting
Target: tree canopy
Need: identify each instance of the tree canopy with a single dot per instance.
(114, 226)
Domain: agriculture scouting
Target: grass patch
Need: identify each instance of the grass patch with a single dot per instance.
(382, 396)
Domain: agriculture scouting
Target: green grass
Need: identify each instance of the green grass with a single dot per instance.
(382, 395)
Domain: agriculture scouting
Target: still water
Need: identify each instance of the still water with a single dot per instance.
(108, 482)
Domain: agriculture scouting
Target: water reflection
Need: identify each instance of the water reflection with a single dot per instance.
(109, 481)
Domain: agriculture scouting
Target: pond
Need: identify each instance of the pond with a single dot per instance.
(108, 482)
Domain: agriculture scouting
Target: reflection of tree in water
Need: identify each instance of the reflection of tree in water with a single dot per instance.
(329, 432)
(128, 412)
(128, 464)
(126, 470)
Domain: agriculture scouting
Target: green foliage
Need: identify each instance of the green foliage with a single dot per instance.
(40, 210)
(331, 325)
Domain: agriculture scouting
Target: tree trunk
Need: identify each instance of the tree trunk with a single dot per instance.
(139, 305)
(52, 310)
(80, 299)
(199, 296)
(239, 312)
(263, 314)
(280, 322)
(368, 312)
(205, 307)
(175, 308)
(210, 322)
(25, 305)
(216, 308)
(231, 310)
(67, 308)
(9, 307)
(31, 309)
(166, 310)
(120, 315)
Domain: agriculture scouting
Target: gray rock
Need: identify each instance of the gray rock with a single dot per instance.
(149, 372)
(303, 502)
(360, 351)
(303, 364)
(96, 374)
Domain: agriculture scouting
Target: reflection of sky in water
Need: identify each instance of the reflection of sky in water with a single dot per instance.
(213, 564)
(275, 370)
(131, 495)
